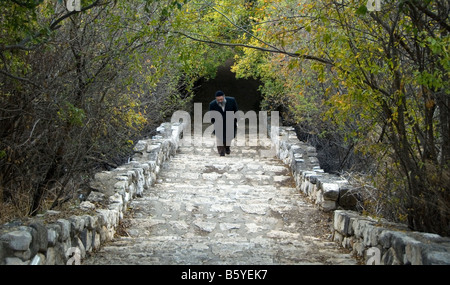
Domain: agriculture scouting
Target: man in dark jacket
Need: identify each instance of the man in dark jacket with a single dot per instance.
(224, 133)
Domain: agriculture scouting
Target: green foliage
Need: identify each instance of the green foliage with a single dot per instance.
(77, 88)
(378, 79)
(373, 87)
(72, 115)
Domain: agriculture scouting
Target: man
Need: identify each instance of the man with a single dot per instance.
(224, 133)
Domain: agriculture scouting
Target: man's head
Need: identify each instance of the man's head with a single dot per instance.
(220, 96)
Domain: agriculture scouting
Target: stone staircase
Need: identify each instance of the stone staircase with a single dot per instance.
(239, 209)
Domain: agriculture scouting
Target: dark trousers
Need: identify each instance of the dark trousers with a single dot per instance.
(223, 147)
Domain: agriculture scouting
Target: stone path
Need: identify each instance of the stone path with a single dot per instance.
(238, 209)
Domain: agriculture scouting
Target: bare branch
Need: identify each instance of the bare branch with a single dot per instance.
(441, 21)
(31, 134)
(245, 31)
(54, 25)
(296, 55)
(26, 80)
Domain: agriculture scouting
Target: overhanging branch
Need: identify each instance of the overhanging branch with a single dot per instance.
(54, 25)
(26, 80)
(271, 50)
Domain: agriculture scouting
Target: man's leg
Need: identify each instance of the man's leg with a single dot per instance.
(221, 150)
(220, 146)
(227, 147)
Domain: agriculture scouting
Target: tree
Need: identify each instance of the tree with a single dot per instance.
(380, 79)
(77, 88)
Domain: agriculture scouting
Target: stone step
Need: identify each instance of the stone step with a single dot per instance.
(237, 209)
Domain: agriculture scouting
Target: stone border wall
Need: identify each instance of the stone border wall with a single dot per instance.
(383, 242)
(377, 241)
(328, 191)
(67, 240)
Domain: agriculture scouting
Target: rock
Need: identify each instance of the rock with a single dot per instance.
(18, 240)
(328, 205)
(95, 196)
(140, 181)
(50, 256)
(330, 191)
(429, 237)
(116, 198)
(259, 209)
(52, 236)
(116, 207)
(338, 237)
(222, 208)
(229, 226)
(390, 258)
(360, 226)
(53, 212)
(38, 259)
(313, 160)
(313, 178)
(120, 187)
(77, 243)
(437, 258)
(65, 229)
(140, 147)
(343, 222)
(60, 252)
(104, 182)
(86, 239)
(311, 150)
(205, 226)
(77, 224)
(347, 242)
(91, 222)
(399, 241)
(358, 248)
(96, 243)
(413, 253)
(3, 253)
(108, 218)
(15, 261)
(283, 235)
(86, 205)
(24, 254)
(41, 236)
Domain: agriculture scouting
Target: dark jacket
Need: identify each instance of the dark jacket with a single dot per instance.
(230, 105)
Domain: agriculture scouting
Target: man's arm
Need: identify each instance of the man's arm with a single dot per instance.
(211, 108)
